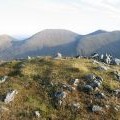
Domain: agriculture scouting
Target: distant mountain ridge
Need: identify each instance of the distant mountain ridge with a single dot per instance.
(51, 41)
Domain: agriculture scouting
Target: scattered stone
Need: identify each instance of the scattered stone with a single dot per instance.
(95, 84)
(107, 106)
(100, 79)
(100, 95)
(88, 88)
(116, 61)
(107, 59)
(74, 82)
(117, 75)
(78, 56)
(96, 108)
(3, 79)
(94, 81)
(101, 57)
(59, 102)
(51, 84)
(75, 106)
(117, 107)
(102, 68)
(60, 95)
(10, 96)
(58, 56)
(3, 109)
(96, 62)
(95, 56)
(68, 87)
(37, 114)
(22, 65)
(117, 93)
(90, 77)
(29, 58)
(59, 98)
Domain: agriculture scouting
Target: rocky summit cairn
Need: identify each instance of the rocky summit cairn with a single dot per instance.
(10, 96)
(106, 58)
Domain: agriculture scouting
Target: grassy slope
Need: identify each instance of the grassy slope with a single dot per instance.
(32, 77)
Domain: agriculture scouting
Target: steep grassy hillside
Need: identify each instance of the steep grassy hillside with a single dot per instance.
(37, 80)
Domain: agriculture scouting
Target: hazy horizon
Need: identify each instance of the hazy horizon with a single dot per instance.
(24, 37)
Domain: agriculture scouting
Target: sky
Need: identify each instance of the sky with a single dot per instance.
(23, 18)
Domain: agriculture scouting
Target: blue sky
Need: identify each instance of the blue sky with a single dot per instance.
(22, 18)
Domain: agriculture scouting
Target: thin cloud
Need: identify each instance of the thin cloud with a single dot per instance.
(81, 16)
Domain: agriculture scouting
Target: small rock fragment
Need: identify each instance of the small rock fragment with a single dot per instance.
(88, 88)
(10, 96)
(37, 113)
(74, 82)
(75, 106)
(96, 108)
(3, 79)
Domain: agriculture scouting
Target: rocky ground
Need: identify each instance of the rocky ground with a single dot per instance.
(59, 89)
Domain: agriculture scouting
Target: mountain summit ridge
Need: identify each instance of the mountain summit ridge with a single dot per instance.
(51, 41)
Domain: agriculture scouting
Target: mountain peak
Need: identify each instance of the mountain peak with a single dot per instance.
(97, 32)
(6, 37)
